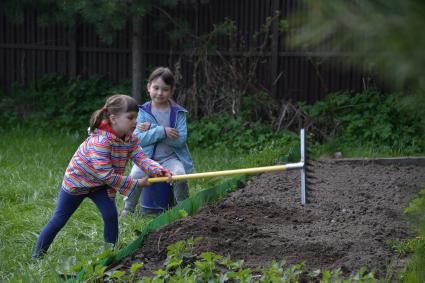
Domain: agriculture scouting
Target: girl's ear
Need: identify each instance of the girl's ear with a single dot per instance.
(148, 86)
(112, 118)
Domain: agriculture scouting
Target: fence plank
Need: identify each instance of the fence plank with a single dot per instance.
(73, 52)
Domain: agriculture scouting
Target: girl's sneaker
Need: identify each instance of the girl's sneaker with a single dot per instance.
(125, 212)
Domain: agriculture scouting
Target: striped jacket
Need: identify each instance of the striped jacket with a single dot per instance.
(101, 160)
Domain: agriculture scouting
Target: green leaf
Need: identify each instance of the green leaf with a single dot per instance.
(182, 213)
(135, 266)
(117, 274)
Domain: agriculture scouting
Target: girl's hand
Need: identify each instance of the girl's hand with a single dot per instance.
(172, 133)
(143, 183)
(164, 172)
(143, 126)
(169, 175)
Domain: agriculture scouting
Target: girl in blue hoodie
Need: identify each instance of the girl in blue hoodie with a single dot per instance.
(162, 132)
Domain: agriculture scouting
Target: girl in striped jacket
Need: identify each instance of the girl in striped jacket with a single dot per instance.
(97, 167)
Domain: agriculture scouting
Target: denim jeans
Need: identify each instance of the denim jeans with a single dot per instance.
(180, 188)
(66, 206)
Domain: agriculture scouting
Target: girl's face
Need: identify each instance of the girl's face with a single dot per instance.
(124, 124)
(160, 92)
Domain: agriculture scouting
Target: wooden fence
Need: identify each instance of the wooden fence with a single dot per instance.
(29, 51)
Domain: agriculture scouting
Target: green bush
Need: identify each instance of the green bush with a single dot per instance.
(369, 119)
(366, 123)
(226, 131)
(56, 102)
(234, 133)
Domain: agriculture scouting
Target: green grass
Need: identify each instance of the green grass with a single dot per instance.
(32, 164)
(328, 150)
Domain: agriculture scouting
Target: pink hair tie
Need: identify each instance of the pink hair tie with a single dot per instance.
(104, 109)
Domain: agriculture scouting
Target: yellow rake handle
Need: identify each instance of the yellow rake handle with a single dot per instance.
(228, 172)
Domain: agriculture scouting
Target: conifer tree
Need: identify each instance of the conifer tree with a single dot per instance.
(385, 34)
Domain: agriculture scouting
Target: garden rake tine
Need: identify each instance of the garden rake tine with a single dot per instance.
(309, 165)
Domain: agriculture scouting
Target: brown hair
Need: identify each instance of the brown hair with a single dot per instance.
(165, 74)
(115, 104)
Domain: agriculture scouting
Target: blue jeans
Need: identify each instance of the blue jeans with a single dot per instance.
(180, 188)
(67, 204)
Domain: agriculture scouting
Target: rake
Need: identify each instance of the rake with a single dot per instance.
(301, 165)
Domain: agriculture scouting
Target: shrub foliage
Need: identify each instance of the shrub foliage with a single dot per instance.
(343, 119)
(56, 102)
(370, 119)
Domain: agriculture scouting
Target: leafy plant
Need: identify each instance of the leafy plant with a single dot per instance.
(123, 276)
(55, 101)
(178, 252)
(237, 134)
(367, 119)
(92, 267)
(406, 246)
(182, 265)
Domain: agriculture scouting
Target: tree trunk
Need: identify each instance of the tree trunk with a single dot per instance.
(136, 60)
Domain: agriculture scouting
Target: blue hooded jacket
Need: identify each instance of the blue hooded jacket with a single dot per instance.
(156, 133)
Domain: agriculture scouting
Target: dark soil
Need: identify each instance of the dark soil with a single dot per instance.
(353, 210)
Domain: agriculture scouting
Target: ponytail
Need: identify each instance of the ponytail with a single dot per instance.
(97, 117)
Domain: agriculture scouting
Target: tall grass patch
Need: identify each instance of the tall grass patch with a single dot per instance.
(415, 271)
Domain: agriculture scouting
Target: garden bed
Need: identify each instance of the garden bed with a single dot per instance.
(354, 209)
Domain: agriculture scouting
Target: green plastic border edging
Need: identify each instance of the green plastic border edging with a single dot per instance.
(190, 205)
